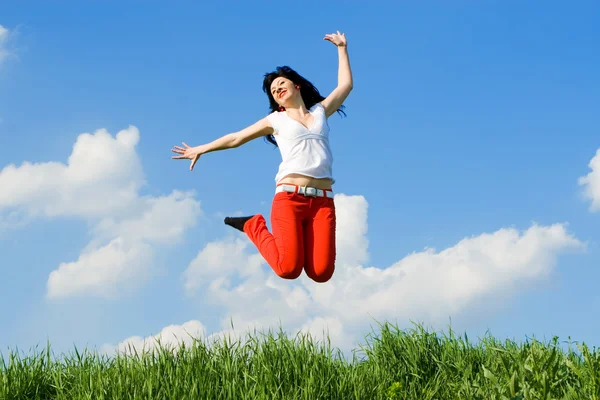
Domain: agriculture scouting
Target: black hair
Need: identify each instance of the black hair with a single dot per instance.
(310, 94)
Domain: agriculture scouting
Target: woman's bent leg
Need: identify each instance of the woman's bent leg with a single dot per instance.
(319, 240)
(284, 248)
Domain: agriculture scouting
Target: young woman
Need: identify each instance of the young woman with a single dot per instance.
(303, 218)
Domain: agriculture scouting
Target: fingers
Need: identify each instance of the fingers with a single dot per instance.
(181, 151)
(183, 156)
(336, 38)
(193, 163)
(331, 39)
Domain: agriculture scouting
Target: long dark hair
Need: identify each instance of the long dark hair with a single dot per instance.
(310, 94)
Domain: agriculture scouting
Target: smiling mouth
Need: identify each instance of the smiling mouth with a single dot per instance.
(282, 93)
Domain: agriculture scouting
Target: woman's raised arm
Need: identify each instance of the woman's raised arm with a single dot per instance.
(345, 83)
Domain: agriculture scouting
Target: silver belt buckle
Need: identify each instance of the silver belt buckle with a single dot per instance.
(310, 191)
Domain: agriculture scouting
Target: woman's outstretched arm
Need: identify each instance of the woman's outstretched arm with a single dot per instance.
(229, 141)
(338, 95)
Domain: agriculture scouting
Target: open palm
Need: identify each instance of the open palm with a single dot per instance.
(188, 152)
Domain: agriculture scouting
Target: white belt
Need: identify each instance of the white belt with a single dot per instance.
(305, 190)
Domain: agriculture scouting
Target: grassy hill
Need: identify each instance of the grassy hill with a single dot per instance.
(395, 364)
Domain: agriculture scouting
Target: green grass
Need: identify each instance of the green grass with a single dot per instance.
(394, 364)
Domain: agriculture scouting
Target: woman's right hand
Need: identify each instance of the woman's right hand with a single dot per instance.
(191, 153)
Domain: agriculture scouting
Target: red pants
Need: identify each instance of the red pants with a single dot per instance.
(303, 236)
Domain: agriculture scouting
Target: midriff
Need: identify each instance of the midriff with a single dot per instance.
(303, 180)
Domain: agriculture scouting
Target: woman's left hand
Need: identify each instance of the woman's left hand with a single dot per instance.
(338, 39)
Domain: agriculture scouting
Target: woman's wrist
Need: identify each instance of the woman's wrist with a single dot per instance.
(201, 149)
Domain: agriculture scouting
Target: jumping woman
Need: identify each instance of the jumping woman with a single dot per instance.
(303, 218)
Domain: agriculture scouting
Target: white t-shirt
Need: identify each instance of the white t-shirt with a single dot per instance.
(304, 150)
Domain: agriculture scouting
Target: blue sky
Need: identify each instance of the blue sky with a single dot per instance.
(466, 119)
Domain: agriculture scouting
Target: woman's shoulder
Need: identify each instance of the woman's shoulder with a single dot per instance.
(275, 118)
(274, 115)
(317, 106)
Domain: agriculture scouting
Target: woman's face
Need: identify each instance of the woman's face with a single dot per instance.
(282, 90)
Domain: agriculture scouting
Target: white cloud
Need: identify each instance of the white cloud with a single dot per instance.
(433, 286)
(100, 184)
(126, 261)
(591, 183)
(103, 271)
(218, 261)
(351, 233)
(153, 219)
(102, 177)
(170, 337)
(324, 328)
(4, 33)
(426, 285)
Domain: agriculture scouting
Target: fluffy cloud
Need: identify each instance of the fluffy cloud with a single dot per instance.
(170, 337)
(125, 262)
(102, 178)
(153, 220)
(434, 285)
(102, 271)
(351, 235)
(3, 39)
(425, 285)
(332, 328)
(219, 261)
(100, 183)
(591, 183)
